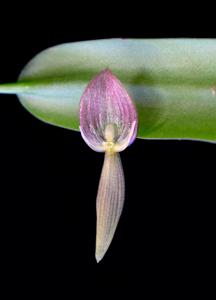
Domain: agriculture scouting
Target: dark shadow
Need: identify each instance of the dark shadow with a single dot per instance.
(149, 103)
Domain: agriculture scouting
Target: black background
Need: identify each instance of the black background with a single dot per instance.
(49, 177)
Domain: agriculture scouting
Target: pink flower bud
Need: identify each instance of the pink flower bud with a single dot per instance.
(105, 101)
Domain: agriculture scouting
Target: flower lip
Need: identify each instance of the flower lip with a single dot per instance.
(107, 113)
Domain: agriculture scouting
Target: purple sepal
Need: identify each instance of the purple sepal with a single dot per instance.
(105, 101)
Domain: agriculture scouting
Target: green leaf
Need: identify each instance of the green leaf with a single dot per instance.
(172, 82)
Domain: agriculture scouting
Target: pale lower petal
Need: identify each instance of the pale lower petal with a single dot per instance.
(94, 146)
(123, 144)
(110, 201)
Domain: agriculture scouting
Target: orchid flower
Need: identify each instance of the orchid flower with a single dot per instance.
(108, 123)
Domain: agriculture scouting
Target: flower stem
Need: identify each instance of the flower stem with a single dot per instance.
(13, 88)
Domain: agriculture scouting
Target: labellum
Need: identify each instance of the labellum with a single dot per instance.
(108, 123)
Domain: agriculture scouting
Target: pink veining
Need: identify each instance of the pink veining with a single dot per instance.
(106, 101)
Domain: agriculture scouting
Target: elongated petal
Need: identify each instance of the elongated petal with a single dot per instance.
(106, 101)
(110, 201)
